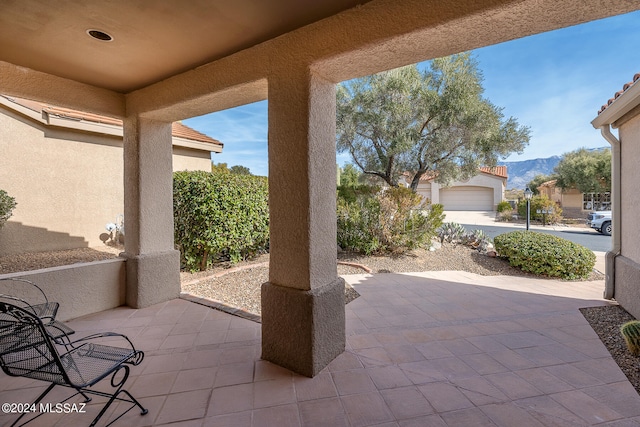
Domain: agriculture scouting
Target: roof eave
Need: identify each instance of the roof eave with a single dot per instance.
(197, 145)
(626, 102)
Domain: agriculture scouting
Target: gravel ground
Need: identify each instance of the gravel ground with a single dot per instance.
(34, 261)
(241, 288)
(606, 322)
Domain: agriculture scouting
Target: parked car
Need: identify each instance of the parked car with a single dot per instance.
(601, 221)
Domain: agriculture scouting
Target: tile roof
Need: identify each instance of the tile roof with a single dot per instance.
(178, 129)
(626, 87)
(499, 171)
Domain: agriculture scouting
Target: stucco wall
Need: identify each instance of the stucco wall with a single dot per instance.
(424, 189)
(481, 180)
(630, 177)
(190, 160)
(627, 265)
(67, 184)
(80, 289)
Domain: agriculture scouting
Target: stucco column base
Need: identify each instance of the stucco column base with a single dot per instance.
(152, 278)
(303, 330)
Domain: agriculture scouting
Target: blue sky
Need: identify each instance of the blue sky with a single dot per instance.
(555, 83)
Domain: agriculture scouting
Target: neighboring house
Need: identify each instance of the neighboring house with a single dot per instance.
(575, 204)
(623, 260)
(65, 170)
(483, 192)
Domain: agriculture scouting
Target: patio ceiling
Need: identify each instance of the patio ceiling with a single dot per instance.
(151, 40)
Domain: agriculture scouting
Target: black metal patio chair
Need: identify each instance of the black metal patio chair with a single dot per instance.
(28, 350)
(33, 299)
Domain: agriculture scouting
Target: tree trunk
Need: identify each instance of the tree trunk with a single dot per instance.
(415, 181)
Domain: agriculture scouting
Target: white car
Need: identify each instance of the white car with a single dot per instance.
(601, 221)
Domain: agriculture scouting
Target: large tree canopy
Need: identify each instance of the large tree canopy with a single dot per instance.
(436, 121)
(588, 171)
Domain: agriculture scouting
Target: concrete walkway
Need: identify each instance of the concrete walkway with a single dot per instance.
(427, 349)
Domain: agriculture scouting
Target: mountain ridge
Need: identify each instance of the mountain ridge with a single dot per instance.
(522, 172)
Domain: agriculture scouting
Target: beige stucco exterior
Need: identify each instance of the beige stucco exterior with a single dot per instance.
(483, 181)
(627, 263)
(67, 180)
(623, 260)
(570, 199)
(296, 67)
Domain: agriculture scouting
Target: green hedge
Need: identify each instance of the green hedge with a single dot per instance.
(545, 254)
(219, 216)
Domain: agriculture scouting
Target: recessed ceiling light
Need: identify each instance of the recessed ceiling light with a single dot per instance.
(100, 35)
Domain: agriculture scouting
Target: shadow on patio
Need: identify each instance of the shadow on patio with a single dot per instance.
(424, 349)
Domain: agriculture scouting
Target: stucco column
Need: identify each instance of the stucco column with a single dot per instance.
(153, 265)
(303, 320)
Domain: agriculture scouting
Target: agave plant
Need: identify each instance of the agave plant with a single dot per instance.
(451, 232)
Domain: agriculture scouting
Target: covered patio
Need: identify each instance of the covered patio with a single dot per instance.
(460, 348)
(429, 349)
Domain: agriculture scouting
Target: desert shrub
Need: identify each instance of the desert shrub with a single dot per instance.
(541, 203)
(477, 239)
(503, 206)
(393, 220)
(219, 216)
(7, 204)
(505, 216)
(451, 232)
(351, 193)
(545, 254)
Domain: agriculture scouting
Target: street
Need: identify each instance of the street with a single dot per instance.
(586, 237)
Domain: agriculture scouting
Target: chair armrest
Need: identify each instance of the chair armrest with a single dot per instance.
(136, 357)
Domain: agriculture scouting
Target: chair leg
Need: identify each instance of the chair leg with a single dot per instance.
(36, 402)
(114, 396)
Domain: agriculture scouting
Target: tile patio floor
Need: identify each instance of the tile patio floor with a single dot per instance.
(427, 349)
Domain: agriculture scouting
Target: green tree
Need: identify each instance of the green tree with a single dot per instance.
(240, 170)
(436, 121)
(350, 176)
(588, 171)
(539, 180)
(219, 168)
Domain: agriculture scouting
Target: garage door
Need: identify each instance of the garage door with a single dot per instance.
(467, 198)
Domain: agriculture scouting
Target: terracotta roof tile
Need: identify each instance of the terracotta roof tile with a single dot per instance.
(500, 171)
(182, 131)
(626, 87)
(178, 129)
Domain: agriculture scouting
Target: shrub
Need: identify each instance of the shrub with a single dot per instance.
(541, 203)
(219, 216)
(393, 220)
(477, 239)
(351, 193)
(505, 216)
(503, 206)
(7, 204)
(545, 254)
(451, 232)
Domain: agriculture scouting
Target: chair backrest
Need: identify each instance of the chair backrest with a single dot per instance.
(26, 349)
(26, 294)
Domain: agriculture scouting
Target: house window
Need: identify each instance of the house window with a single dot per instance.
(596, 201)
